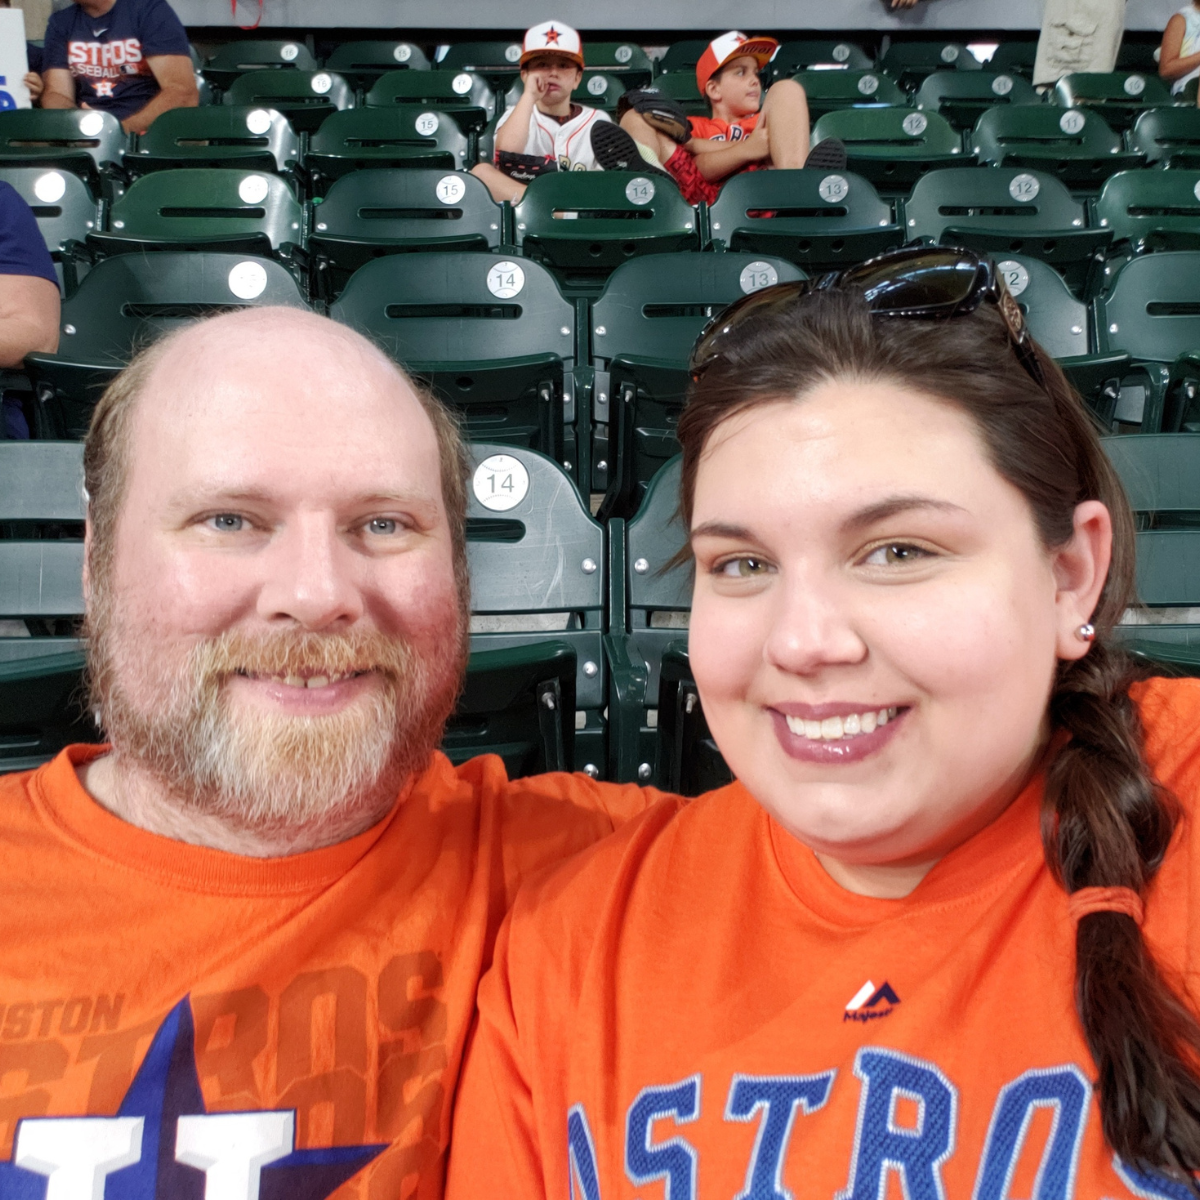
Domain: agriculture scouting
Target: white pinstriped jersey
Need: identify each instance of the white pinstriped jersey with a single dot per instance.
(569, 143)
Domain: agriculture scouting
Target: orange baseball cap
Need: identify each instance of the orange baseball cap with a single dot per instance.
(552, 37)
(729, 46)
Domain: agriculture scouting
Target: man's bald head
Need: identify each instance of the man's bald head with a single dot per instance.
(235, 349)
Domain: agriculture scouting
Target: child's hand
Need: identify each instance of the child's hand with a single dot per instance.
(33, 82)
(758, 144)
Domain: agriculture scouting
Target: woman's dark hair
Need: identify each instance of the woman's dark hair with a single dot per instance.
(1105, 820)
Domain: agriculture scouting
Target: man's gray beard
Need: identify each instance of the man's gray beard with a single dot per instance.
(272, 772)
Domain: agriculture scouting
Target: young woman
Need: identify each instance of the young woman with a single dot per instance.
(1179, 57)
(937, 941)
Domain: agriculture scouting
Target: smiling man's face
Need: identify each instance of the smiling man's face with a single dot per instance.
(277, 631)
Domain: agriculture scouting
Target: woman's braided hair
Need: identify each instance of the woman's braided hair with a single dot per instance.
(1105, 820)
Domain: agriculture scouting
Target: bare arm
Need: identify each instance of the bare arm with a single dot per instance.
(715, 160)
(178, 83)
(29, 312)
(33, 82)
(1170, 65)
(59, 90)
(514, 133)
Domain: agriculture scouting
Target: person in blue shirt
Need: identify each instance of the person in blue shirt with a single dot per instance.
(29, 297)
(126, 57)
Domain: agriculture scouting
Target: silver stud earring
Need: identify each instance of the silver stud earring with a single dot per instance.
(1086, 633)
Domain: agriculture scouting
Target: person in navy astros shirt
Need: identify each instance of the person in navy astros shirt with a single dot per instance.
(126, 57)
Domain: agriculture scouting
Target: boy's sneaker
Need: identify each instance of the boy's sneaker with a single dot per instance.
(616, 150)
(659, 111)
(828, 155)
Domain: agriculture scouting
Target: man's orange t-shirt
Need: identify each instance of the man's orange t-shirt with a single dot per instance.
(724, 131)
(240, 1028)
(694, 1010)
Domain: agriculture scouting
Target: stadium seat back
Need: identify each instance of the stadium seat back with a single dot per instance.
(624, 59)
(403, 136)
(1160, 474)
(203, 208)
(1056, 318)
(87, 143)
(41, 588)
(1075, 144)
(1014, 57)
(306, 98)
(1118, 96)
(1168, 137)
(681, 57)
(1154, 210)
(1004, 211)
(537, 571)
(498, 62)
(1152, 310)
(362, 63)
(643, 328)
(494, 336)
(237, 58)
(588, 222)
(255, 139)
(123, 303)
(465, 96)
(909, 62)
(820, 220)
(828, 54)
(1168, 570)
(369, 214)
(60, 200)
(828, 91)
(960, 96)
(892, 147)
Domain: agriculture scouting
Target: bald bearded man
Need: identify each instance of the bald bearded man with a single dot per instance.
(241, 943)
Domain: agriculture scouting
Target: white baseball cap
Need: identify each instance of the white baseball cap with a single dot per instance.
(552, 37)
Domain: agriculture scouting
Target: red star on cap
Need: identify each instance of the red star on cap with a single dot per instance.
(741, 38)
(551, 36)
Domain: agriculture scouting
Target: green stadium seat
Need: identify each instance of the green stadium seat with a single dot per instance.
(961, 96)
(1168, 137)
(819, 220)
(893, 147)
(625, 59)
(238, 58)
(1016, 58)
(1138, 56)
(1152, 210)
(305, 98)
(204, 208)
(493, 336)
(643, 327)
(404, 136)
(87, 143)
(586, 223)
(536, 683)
(65, 210)
(1119, 96)
(909, 62)
(657, 731)
(465, 96)
(1152, 313)
(792, 57)
(497, 62)
(1061, 324)
(1161, 476)
(253, 139)
(681, 57)
(1005, 211)
(123, 303)
(829, 91)
(362, 63)
(41, 599)
(369, 214)
(1074, 144)
(681, 86)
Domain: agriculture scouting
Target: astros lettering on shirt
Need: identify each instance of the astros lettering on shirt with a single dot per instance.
(716, 130)
(694, 1010)
(107, 55)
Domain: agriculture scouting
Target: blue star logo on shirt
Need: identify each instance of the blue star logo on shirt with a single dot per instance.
(163, 1144)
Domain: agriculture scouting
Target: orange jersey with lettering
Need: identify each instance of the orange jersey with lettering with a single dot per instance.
(694, 1010)
(246, 1028)
(724, 131)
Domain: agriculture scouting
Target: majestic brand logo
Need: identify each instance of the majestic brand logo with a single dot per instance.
(163, 1144)
(870, 1003)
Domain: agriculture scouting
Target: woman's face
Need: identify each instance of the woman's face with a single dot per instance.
(876, 623)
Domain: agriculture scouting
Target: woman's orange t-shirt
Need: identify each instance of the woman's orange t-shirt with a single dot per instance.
(694, 1009)
(179, 1023)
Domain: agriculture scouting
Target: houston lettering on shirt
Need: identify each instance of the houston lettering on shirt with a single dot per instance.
(107, 60)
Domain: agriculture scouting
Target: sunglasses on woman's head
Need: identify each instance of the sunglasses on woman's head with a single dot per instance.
(919, 282)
